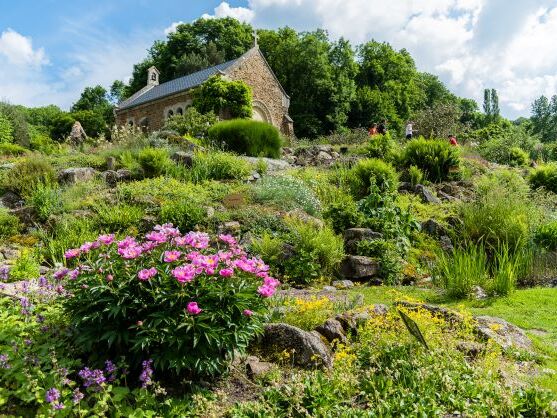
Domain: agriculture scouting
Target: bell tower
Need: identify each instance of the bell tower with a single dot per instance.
(153, 76)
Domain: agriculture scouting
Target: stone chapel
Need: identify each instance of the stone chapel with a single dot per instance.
(154, 103)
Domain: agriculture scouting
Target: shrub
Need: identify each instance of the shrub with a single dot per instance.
(247, 137)
(117, 217)
(518, 157)
(308, 314)
(436, 158)
(46, 199)
(25, 267)
(153, 161)
(545, 176)
(343, 214)
(9, 224)
(287, 193)
(218, 95)
(382, 146)
(216, 165)
(24, 177)
(191, 123)
(372, 171)
(186, 214)
(6, 130)
(546, 236)
(11, 149)
(173, 298)
(415, 175)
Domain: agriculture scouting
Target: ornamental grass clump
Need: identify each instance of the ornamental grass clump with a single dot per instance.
(187, 301)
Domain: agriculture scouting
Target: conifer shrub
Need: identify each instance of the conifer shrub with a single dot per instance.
(27, 174)
(436, 158)
(372, 171)
(153, 161)
(518, 157)
(9, 224)
(247, 137)
(545, 176)
(187, 301)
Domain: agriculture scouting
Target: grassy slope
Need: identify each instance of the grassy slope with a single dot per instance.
(534, 310)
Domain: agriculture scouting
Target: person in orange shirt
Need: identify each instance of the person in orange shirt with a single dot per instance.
(453, 141)
(373, 130)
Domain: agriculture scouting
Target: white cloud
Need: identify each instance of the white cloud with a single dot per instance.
(172, 28)
(18, 49)
(224, 9)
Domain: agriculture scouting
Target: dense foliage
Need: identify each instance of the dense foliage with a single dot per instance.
(222, 97)
(436, 158)
(247, 137)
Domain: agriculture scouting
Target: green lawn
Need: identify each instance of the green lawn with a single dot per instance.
(534, 310)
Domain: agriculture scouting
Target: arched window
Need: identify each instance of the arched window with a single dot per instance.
(144, 124)
(179, 111)
(170, 113)
(130, 122)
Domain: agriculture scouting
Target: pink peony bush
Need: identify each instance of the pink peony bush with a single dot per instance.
(185, 301)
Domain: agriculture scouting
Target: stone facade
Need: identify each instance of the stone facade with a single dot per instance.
(270, 101)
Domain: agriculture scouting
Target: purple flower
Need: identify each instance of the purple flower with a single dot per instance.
(4, 273)
(92, 378)
(110, 368)
(52, 395)
(58, 406)
(146, 374)
(106, 239)
(43, 281)
(77, 396)
(72, 253)
(4, 362)
(248, 312)
(60, 274)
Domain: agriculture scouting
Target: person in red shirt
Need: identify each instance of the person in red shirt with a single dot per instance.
(453, 141)
(373, 130)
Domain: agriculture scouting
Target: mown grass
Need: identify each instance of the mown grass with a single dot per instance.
(530, 309)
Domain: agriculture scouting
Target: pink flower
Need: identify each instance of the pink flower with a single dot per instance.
(149, 246)
(126, 243)
(266, 291)
(269, 281)
(157, 237)
(184, 273)
(72, 253)
(171, 256)
(86, 247)
(247, 312)
(168, 230)
(74, 274)
(193, 308)
(226, 272)
(228, 239)
(130, 253)
(109, 278)
(106, 239)
(146, 274)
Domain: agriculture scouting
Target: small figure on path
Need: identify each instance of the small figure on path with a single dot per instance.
(452, 140)
(409, 130)
(373, 130)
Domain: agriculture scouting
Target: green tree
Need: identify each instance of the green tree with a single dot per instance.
(17, 115)
(95, 99)
(233, 98)
(544, 118)
(491, 106)
(117, 92)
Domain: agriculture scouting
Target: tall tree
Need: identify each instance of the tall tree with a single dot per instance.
(544, 118)
(487, 102)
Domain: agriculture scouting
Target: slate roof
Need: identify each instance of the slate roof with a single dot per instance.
(178, 85)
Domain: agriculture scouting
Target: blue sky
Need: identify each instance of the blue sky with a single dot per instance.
(51, 49)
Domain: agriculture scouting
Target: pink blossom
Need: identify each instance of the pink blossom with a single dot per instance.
(168, 230)
(266, 291)
(126, 243)
(60, 274)
(109, 278)
(73, 274)
(197, 239)
(228, 239)
(146, 274)
(86, 247)
(193, 308)
(184, 273)
(129, 253)
(106, 239)
(270, 281)
(157, 237)
(247, 312)
(171, 256)
(148, 246)
(72, 253)
(226, 272)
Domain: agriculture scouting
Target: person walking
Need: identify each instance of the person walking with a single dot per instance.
(409, 130)
(373, 130)
(452, 140)
(382, 129)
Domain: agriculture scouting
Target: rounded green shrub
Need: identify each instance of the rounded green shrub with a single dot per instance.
(369, 171)
(546, 236)
(518, 157)
(9, 224)
(185, 214)
(436, 158)
(286, 193)
(188, 302)
(153, 161)
(247, 137)
(382, 146)
(27, 174)
(545, 176)
(11, 149)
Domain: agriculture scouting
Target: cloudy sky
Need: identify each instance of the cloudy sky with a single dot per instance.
(51, 49)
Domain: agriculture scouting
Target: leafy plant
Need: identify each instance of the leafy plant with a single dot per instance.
(173, 298)
(218, 95)
(546, 236)
(518, 157)
(389, 256)
(436, 158)
(191, 123)
(117, 217)
(11, 149)
(46, 199)
(248, 137)
(545, 176)
(415, 175)
(215, 165)
(382, 146)
(185, 214)
(26, 267)
(24, 177)
(372, 171)
(9, 224)
(343, 214)
(153, 161)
